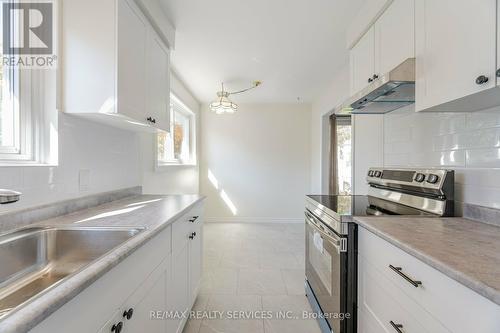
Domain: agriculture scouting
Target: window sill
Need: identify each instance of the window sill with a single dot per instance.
(167, 166)
(26, 164)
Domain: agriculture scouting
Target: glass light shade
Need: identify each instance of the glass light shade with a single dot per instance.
(223, 104)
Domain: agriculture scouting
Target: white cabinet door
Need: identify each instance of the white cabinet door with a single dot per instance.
(159, 82)
(131, 52)
(195, 261)
(395, 36)
(149, 297)
(362, 61)
(178, 288)
(111, 325)
(455, 45)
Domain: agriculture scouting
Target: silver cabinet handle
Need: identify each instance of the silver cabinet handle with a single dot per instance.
(397, 327)
(399, 271)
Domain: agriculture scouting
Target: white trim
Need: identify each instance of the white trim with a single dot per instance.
(193, 158)
(236, 219)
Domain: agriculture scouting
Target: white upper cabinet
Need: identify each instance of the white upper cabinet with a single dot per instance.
(362, 61)
(116, 67)
(456, 51)
(131, 51)
(386, 44)
(395, 36)
(159, 82)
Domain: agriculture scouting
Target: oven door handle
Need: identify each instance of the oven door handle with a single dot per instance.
(335, 241)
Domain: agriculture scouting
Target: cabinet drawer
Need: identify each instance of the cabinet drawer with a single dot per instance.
(457, 307)
(183, 227)
(381, 302)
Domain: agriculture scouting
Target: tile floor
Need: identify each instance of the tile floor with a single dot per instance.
(253, 267)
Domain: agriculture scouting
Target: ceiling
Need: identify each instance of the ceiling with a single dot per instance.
(294, 46)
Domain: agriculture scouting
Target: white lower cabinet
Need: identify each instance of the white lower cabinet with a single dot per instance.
(149, 297)
(178, 299)
(438, 304)
(139, 294)
(186, 266)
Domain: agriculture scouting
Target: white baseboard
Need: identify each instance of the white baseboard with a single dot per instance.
(237, 219)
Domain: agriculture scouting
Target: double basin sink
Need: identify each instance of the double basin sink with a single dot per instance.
(32, 260)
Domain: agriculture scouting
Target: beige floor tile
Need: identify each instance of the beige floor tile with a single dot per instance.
(240, 259)
(294, 281)
(237, 312)
(219, 281)
(293, 303)
(261, 282)
(257, 267)
(234, 303)
(291, 326)
(232, 326)
(192, 326)
(279, 260)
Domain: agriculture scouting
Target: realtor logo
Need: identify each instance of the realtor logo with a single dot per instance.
(28, 34)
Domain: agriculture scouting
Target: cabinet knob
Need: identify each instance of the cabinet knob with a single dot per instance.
(498, 72)
(128, 314)
(481, 79)
(194, 218)
(193, 235)
(375, 76)
(149, 119)
(370, 80)
(117, 328)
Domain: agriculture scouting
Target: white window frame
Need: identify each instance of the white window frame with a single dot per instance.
(183, 108)
(32, 95)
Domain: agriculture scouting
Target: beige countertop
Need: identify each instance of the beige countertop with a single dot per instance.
(153, 212)
(465, 250)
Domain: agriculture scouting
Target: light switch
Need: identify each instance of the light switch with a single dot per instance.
(84, 180)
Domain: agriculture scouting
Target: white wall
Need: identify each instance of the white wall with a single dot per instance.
(322, 107)
(466, 142)
(110, 155)
(172, 179)
(368, 133)
(259, 157)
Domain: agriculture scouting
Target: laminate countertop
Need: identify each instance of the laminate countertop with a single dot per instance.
(464, 250)
(153, 212)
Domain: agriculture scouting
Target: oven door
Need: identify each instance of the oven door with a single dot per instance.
(326, 270)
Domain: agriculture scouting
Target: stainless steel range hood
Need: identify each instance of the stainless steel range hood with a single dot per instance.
(389, 92)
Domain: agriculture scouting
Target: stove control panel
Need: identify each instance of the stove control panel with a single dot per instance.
(419, 177)
(422, 178)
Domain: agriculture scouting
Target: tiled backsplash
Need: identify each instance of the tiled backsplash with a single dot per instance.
(110, 156)
(467, 142)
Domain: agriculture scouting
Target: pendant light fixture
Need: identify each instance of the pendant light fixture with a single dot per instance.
(223, 104)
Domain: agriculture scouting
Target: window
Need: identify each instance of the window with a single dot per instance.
(15, 117)
(28, 112)
(178, 146)
(344, 155)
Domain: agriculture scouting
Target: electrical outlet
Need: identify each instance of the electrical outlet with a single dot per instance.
(84, 180)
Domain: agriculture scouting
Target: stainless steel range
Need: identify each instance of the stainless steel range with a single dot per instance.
(331, 235)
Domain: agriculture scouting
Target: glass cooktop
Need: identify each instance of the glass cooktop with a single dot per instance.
(363, 205)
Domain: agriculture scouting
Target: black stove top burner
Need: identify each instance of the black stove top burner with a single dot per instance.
(363, 205)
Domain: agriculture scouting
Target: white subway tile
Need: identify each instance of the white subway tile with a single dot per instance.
(483, 158)
(484, 119)
(397, 160)
(450, 158)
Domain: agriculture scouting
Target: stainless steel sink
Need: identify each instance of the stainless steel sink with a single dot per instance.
(35, 259)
